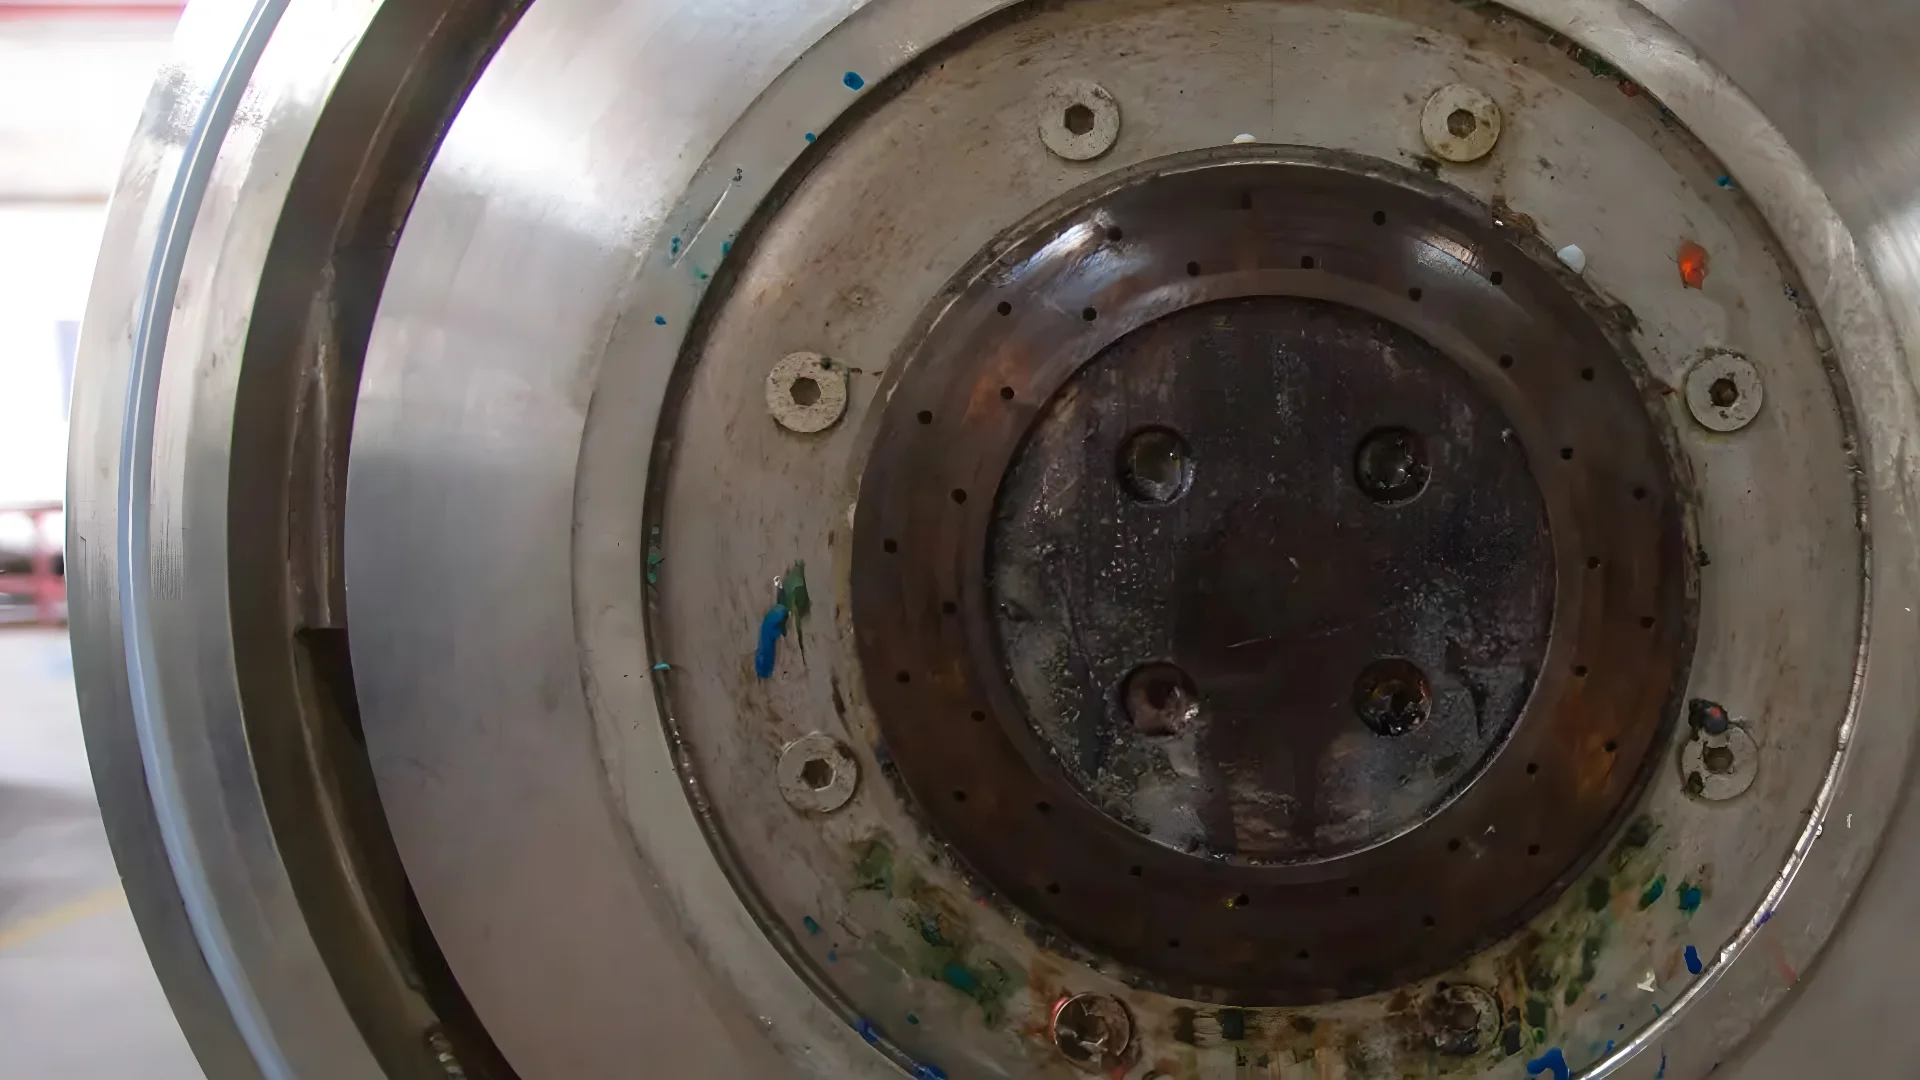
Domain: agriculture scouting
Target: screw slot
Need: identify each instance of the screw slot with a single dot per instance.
(1723, 392)
(816, 773)
(1460, 123)
(1078, 119)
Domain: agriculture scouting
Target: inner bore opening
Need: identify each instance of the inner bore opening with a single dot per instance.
(1718, 759)
(1078, 119)
(816, 773)
(804, 391)
(1723, 392)
(1156, 466)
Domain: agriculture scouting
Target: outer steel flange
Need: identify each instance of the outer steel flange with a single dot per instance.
(1288, 865)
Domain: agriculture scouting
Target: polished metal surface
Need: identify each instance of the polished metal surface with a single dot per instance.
(511, 660)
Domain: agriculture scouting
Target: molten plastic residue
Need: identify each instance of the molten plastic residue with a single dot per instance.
(1693, 265)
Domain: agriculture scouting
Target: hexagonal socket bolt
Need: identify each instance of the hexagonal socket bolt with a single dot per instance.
(817, 775)
(1078, 119)
(1460, 123)
(1724, 392)
(1092, 1030)
(1461, 1019)
(807, 392)
(1718, 767)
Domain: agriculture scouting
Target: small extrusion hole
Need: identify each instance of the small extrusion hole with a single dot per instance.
(1646, 622)
(979, 716)
(1428, 921)
(1392, 696)
(1506, 361)
(1390, 465)
(1640, 493)
(959, 796)
(1579, 671)
(1303, 955)
(1160, 699)
(1379, 217)
(1243, 900)
(1566, 453)
(1114, 234)
(1533, 849)
(1078, 119)
(1611, 746)
(1173, 943)
(1306, 262)
(816, 773)
(926, 417)
(1193, 269)
(1717, 759)
(1006, 393)
(1453, 845)
(1089, 314)
(1353, 890)
(1533, 768)
(902, 677)
(1723, 392)
(1413, 294)
(1004, 308)
(1593, 562)
(1044, 807)
(959, 495)
(804, 391)
(1053, 887)
(1461, 123)
(1156, 466)
(890, 546)
(1587, 373)
(1497, 277)
(1136, 871)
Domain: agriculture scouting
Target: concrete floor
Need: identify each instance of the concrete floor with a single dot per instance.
(78, 999)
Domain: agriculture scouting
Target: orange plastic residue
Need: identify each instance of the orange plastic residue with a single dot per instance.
(1693, 265)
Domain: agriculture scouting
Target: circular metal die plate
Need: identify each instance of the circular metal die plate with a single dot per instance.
(806, 392)
(1724, 392)
(1718, 767)
(817, 774)
(1349, 609)
(1460, 123)
(1079, 120)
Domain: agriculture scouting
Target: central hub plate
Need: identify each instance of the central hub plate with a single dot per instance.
(1268, 574)
(1272, 579)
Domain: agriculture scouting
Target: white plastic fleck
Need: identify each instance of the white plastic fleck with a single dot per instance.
(1575, 258)
(1648, 984)
(1244, 139)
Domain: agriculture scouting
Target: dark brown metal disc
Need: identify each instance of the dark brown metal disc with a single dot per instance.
(1076, 547)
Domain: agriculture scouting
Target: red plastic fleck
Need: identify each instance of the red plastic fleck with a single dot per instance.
(1693, 265)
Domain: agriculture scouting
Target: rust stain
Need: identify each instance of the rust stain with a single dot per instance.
(1693, 265)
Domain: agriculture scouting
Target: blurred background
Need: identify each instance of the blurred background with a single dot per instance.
(78, 999)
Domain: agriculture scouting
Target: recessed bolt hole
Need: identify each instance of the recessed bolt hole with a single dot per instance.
(1240, 901)
(1303, 955)
(1379, 217)
(1306, 262)
(1533, 768)
(1006, 393)
(1497, 277)
(902, 678)
(1160, 699)
(1717, 759)
(1156, 465)
(1193, 269)
(1506, 361)
(1586, 373)
(1043, 807)
(1173, 943)
(816, 773)
(1353, 890)
(1246, 200)
(1639, 493)
(1114, 235)
(1460, 123)
(1004, 308)
(1053, 887)
(1611, 746)
(959, 796)
(1078, 119)
(979, 716)
(1580, 671)
(959, 495)
(1646, 622)
(948, 607)
(1566, 453)
(804, 391)
(1593, 562)
(1136, 871)
(1413, 294)
(926, 417)
(1453, 845)
(1533, 849)
(1391, 696)
(890, 546)
(1089, 314)
(1428, 921)
(1723, 392)
(1390, 465)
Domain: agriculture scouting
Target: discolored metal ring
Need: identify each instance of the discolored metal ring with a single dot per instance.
(1272, 222)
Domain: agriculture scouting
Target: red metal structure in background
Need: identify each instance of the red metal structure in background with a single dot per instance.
(42, 581)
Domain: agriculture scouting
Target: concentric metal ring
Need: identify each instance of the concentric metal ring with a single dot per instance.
(1258, 223)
